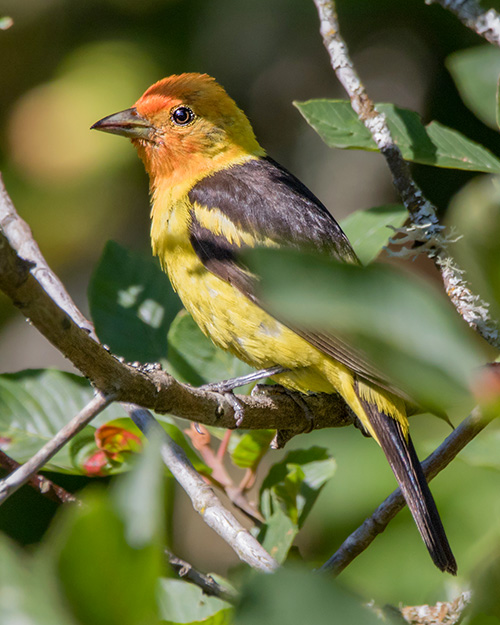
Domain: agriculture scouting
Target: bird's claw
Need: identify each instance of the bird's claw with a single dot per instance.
(226, 388)
(237, 407)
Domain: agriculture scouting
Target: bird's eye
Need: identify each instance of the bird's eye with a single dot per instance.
(182, 115)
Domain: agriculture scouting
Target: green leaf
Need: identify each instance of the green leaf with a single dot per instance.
(475, 72)
(369, 230)
(404, 327)
(434, 144)
(475, 212)
(194, 359)
(101, 559)
(132, 304)
(27, 594)
(182, 602)
(106, 579)
(251, 448)
(337, 124)
(35, 405)
(298, 597)
(288, 494)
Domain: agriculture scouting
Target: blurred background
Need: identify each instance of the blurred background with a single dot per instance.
(67, 64)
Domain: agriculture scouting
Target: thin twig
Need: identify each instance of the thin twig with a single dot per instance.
(469, 12)
(20, 476)
(41, 484)
(426, 227)
(361, 538)
(206, 582)
(203, 498)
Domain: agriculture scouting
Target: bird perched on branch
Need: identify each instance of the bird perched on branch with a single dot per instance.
(214, 193)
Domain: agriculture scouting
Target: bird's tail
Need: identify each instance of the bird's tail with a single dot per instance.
(405, 465)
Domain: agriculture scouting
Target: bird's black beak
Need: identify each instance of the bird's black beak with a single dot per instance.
(127, 123)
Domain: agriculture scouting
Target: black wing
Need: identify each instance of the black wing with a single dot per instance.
(264, 199)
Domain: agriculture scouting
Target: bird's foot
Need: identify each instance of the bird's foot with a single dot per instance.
(226, 388)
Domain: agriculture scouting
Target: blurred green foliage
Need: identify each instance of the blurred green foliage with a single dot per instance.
(70, 64)
(475, 72)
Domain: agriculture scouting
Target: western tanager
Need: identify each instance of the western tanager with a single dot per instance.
(215, 192)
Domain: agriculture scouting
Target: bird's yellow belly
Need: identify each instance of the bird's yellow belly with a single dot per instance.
(236, 324)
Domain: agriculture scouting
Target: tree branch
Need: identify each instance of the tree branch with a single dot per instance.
(206, 582)
(469, 12)
(23, 473)
(374, 525)
(426, 227)
(47, 488)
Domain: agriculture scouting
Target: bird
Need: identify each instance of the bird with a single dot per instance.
(214, 194)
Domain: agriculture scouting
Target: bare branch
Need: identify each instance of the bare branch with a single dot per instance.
(426, 227)
(25, 277)
(203, 498)
(206, 582)
(20, 476)
(469, 12)
(41, 484)
(374, 525)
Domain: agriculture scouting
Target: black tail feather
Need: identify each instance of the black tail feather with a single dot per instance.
(405, 465)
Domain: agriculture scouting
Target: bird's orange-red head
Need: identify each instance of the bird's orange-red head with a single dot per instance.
(185, 127)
